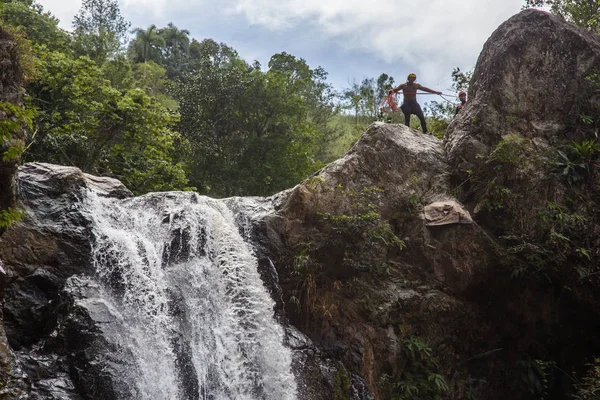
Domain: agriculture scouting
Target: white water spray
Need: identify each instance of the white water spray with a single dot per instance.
(195, 314)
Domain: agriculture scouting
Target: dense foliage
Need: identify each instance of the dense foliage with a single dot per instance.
(15, 118)
(250, 131)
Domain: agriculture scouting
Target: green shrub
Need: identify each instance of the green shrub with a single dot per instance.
(421, 378)
(8, 216)
(588, 388)
(534, 376)
(342, 384)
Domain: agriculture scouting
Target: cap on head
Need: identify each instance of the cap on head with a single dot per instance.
(412, 75)
(461, 93)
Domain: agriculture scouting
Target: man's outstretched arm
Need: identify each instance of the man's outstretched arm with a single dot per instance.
(426, 89)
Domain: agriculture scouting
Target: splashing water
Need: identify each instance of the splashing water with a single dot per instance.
(195, 315)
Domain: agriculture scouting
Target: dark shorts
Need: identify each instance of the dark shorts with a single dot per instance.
(411, 107)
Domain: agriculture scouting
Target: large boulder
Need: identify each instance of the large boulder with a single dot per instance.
(530, 80)
(49, 245)
(400, 161)
(397, 171)
(526, 164)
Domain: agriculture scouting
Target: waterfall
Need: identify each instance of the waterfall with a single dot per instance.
(195, 320)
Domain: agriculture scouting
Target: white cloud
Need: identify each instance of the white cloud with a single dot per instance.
(63, 10)
(158, 8)
(429, 38)
(425, 35)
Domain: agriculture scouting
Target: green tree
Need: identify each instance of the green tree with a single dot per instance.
(28, 3)
(176, 52)
(38, 26)
(100, 29)
(152, 78)
(209, 51)
(119, 72)
(250, 132)
(177, 40)
(370, 99)
(365, 99)
(461, 80)
(312, 87)
(584, 13)
(208, 101)
(147, 45)
(385, 83)
(285, 144)
(15, 119)
(353, 97)
(86, 122)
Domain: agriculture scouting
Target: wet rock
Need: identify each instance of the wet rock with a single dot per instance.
(47, 376)
(14, 380)
(43, 181)
(316, 372)
(39, 253)
(84, 322)
(49, 245)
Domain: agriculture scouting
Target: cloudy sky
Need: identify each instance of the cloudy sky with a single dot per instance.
(350, 39)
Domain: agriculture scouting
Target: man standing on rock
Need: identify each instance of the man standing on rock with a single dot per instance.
(410, 105)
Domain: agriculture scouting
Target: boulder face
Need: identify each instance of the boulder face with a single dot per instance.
(530, 79)
(395, 171)
(398, 160)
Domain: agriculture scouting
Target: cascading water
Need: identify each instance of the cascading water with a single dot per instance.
(194, 318)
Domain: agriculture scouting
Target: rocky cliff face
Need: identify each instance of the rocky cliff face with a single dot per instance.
(525, 151)
(11, 94)
(463, 269)
(362, 273)
(55, 341)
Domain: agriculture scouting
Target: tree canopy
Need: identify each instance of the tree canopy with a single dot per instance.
(584, 13)
(99, 29)
(249, 130)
